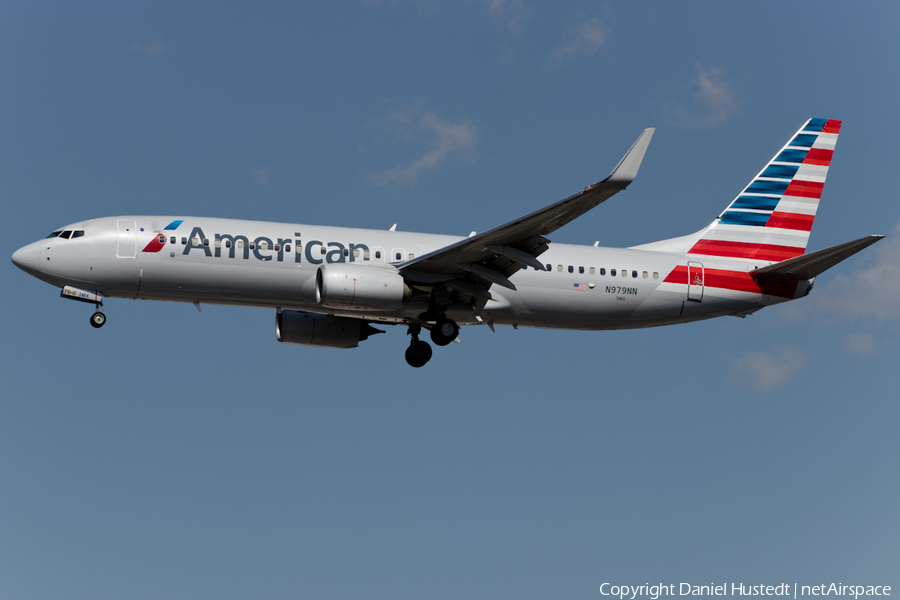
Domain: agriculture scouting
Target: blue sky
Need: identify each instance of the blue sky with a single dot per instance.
(180, 454)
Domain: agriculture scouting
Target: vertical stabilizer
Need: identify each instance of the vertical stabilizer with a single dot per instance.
(771, 218)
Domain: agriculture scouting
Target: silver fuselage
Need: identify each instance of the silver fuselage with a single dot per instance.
(225, 261)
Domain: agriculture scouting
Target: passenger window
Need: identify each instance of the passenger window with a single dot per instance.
(411, 256)
(603, 271)
(322, 250)
(398, 256)
(253, 245)
(240, 244)
(366, 254)
(161, 239)
(299, 248)
(287, 247)
(592, 270)
(80, 233)
(655, 275)
(277, 247)
(634, 274)
(549, 267)
(624, 272)
(172, 240)
(644, 274)
(612, 272)
(195, 241)
(559, 268)
(228, 243)
(183, 241)
(218, 242)
(65, 234)
(571, 269)
(206, 242)
(378, 254)
(346, 252)
(356, 253)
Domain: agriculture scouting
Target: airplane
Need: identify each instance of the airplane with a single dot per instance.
(330, 285)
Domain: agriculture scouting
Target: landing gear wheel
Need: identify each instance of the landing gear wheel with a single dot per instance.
(98, 319)
(444, 332)
(418, 354)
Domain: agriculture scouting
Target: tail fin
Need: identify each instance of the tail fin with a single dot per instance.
(771, 218)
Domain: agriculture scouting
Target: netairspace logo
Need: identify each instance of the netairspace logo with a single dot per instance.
(654, 592)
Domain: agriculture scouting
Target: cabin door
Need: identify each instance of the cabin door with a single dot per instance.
(127, 246)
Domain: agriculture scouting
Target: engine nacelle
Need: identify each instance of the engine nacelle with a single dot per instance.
(360, 287)
(310, 329)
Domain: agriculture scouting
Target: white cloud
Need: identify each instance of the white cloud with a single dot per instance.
(149, 48)
(767, 372)
(715, 93)
(714, 98)
(872, 288)
(262, 174)
(510, 14)
(860, 342)
(443, 139)
(583, 39)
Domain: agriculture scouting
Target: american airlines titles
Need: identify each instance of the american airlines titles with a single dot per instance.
(315, 252)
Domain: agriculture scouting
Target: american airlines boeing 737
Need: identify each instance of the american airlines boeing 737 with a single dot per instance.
(329, 285)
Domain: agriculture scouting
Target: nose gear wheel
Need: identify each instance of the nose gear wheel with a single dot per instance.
(98, 320)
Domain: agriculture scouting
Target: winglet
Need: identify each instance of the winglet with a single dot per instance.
(627, 169)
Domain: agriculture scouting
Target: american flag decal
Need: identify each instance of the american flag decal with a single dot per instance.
(580, 287)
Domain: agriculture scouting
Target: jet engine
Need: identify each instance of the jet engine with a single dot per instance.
(360, 287)
(310, 329)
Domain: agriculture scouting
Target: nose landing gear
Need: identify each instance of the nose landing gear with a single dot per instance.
(98, 319)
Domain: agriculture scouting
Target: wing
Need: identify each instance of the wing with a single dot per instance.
(472, 265)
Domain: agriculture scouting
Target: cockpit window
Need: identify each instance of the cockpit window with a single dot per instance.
(66, 234)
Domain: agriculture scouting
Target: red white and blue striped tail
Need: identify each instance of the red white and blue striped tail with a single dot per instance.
(771, 218)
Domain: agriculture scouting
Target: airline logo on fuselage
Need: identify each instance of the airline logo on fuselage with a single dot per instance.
(263, 248)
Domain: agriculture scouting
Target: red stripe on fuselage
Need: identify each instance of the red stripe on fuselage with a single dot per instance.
(768, 252)
(791, 221)
(739, 281)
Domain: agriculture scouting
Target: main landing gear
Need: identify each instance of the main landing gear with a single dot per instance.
(444, 331)
(419, 352)
(98, 319)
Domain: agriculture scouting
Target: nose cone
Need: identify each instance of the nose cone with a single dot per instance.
(28, 258)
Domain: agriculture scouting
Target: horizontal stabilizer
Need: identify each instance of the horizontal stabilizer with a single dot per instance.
(811, 265)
